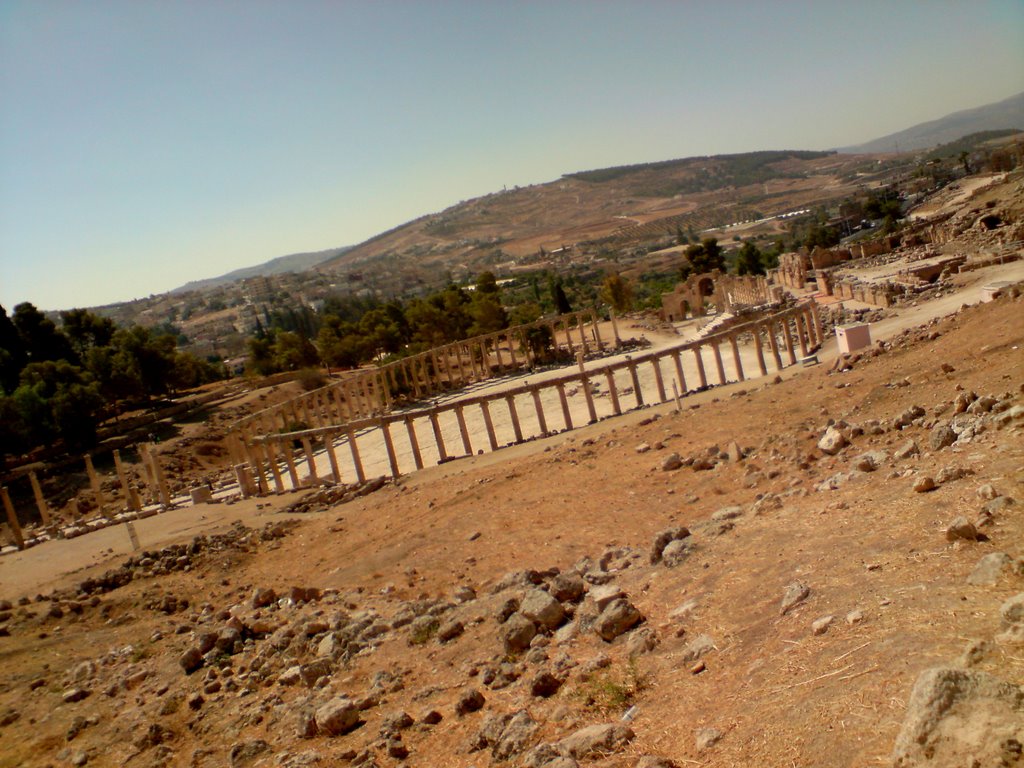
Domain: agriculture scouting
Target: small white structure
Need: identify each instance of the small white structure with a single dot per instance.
(853, 336)
(993, 291)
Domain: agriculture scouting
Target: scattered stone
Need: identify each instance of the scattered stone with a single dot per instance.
(923, 484)
(820, 626)
(698, 647)
(677, 552)
(705, 738)
(338, 716)
(544, 684)
(191, 660)
(74, 695)
(941, 437)
(961, 528)
(856, 616)
(449, 630)
(517, 632)
(671, 462)
(832, 442)
(263, 596)
(244, 753)
(595, 740)
(792, 596)
(567, 587)
(619, 616)
(1012, 610)
(987, 492)
(663, 539)
(542, 609)
(470, 700)
(907, 450)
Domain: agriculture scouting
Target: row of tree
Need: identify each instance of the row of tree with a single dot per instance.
(58, 382)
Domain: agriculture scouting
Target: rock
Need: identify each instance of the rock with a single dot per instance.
(663, 539)
(1012, 610)
(650, 761)
(643, 448)
(544, 684)
(832, 442)
(567, 587)
(313, 671)
(698, 647)
(987, 492)
(856, 616)
(727, 513)
(262, 597)
(74, 695)
(705, 738)
(640, 642)
(338, 716)
(244, 753)
(517, 632)
(961, 528)
(431, 717)
(923, 484)
(998, 504)
(602, 595)
(191, 660)
(820, 626)
(449, 630)
(595, 740)
(470, 700)
(619, 616)
(907, 450)
(989, 569)
(542, 609)
(950, 474)
(958, 717)
(792, 596)
(870, 461)
(671, 462)
(1013, 635)
(516, 734)
(395, 722)
(941, 437)
(677, 551)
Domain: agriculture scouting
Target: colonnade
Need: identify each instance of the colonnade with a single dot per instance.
(268, 463)
(450, 366)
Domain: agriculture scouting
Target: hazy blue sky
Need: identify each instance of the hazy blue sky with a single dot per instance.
(145, 144)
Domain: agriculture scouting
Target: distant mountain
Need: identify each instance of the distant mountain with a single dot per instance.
(296, 262)
(1008, 113)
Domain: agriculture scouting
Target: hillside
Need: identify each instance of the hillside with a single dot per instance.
(296, 262)
(829, 573)
(1002, 115)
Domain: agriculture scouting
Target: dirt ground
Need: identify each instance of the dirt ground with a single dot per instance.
(872, 552)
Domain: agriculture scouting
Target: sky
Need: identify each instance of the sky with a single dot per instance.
(145, 144)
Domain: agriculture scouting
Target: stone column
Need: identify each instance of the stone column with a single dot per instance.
(94, 481)
(489, 425)
(773, 342)
(332, 457)
(122, 477)
(566, 415)
(389, 445)
(514, 415)
(613, 393)
(787, 335)
(554, 336)
(385, 389)
(244, 481)
(414, 442)
(816, 320)
(512, 350)
(736, 357)
(700, 366)
(591, 410)
(463, 430)
(719, 365)
(583, 333)
(289, 459)
(257, 469)
(275, 470)
(354, 450)
(638, 392)
(442, 454)
(12, 519)
(759, 348)
(615, 329)
(463, 380)
(497, 352)
(800, 331)
(539, 408)
(659, 382)
(307, 449)
(677, 358)
(41, 505)
(597, 332)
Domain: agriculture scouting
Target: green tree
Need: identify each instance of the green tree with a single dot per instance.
(749, 260)
(486, 283)
(558, 297)
(488, 315)
(86, 330)
(293, 351)
(617, 292)
(705, 256)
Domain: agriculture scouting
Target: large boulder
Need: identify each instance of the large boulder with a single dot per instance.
(832, 442)
(517, 632)
(595, 740)
(960, 717)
